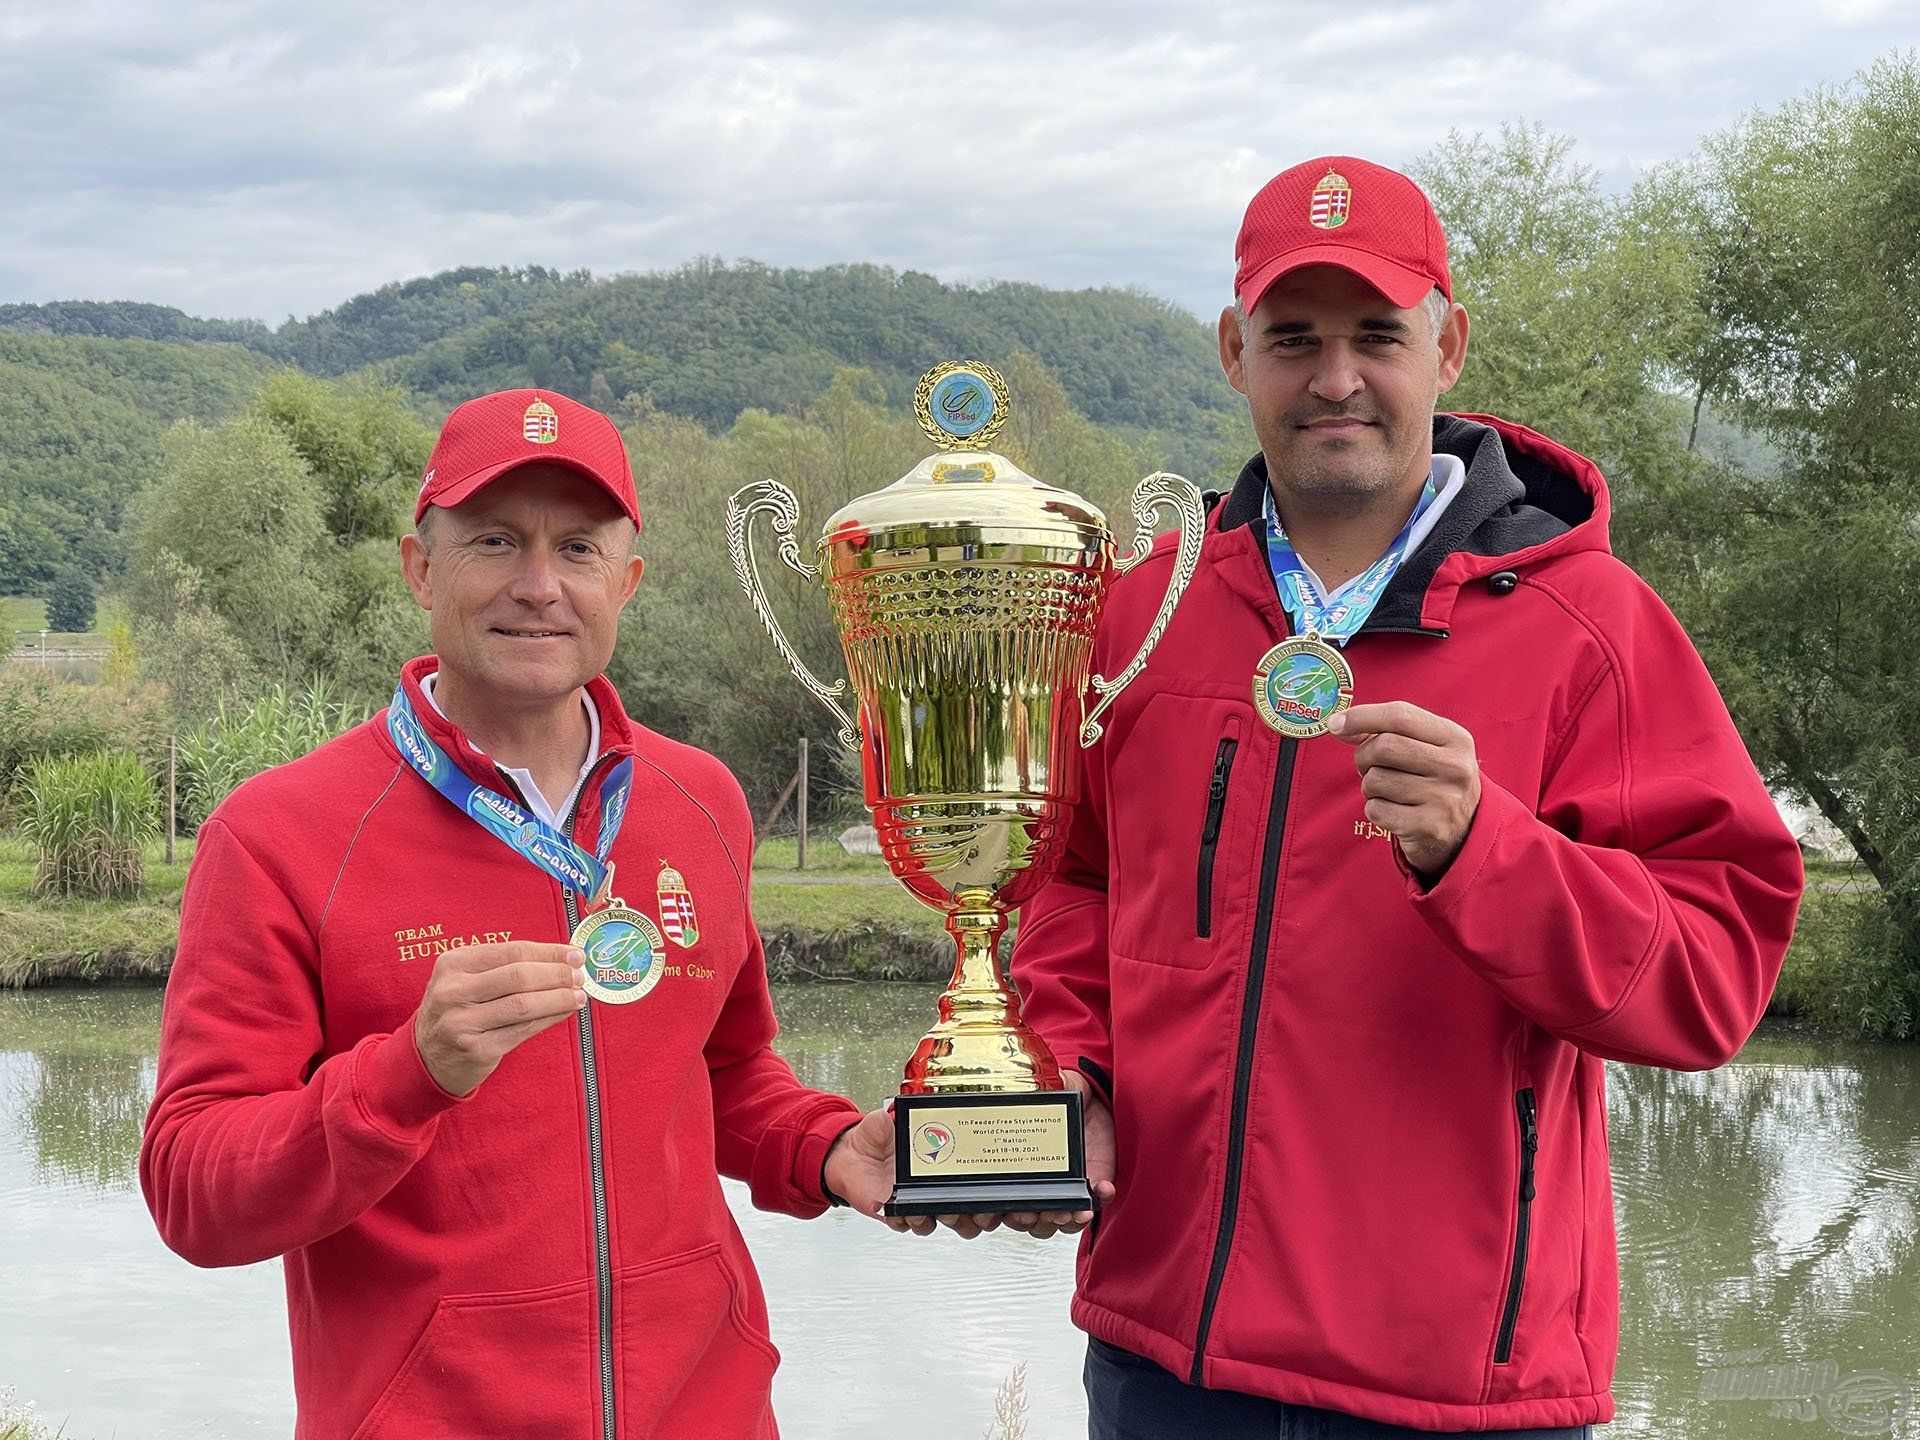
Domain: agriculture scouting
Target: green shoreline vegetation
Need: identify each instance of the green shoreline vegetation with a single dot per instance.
(830, 923)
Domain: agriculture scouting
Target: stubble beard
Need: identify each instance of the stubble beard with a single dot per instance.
(1340, 476)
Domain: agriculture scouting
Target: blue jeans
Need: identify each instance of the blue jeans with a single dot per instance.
(1130, 1398)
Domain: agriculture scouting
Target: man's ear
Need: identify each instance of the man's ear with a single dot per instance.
(631, 581)
(416, 563)
(1453, 347)
(1233, 344)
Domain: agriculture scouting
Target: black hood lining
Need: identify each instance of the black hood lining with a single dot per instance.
(1509, 503)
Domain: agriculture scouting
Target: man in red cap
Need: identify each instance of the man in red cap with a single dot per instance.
(430, 1038)
(1424, 809)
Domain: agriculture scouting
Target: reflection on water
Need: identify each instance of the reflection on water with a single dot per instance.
(1769, 1217)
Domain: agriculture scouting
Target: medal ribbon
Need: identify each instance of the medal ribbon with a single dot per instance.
(1311, 613)
(537, 842)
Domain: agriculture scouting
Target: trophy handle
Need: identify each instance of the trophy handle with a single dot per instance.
(778, 502)
(1159, 491)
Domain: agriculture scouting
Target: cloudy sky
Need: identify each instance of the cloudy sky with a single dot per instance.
(266, 159)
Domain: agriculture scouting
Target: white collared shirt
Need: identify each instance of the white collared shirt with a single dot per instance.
(536, 801)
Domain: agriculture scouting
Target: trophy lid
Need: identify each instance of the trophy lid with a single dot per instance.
(964, 493)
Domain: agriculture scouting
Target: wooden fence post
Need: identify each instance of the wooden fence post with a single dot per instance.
(173, 759)
(800, 801)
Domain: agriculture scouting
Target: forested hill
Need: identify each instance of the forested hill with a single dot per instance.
(87, 388)
(81, 421)
(710, 340)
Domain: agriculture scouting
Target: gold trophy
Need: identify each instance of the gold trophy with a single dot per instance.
(965, 595)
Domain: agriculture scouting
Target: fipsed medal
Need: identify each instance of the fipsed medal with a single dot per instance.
(1305, 680)
(624, 949)
(1300, 684)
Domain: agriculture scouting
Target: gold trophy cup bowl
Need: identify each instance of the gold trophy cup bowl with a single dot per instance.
(965, 596)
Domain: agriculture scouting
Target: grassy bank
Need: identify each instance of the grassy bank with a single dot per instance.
(843, 918)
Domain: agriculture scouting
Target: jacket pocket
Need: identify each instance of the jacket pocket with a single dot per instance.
(694, 1355)
(500, 1365)
(1522, 1227)
(1178, 880)
(1210, 834)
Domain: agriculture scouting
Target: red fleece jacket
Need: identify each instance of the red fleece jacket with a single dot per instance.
(444, 1275)
(1362, 1124)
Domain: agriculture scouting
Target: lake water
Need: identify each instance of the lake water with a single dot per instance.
(1769, 1216)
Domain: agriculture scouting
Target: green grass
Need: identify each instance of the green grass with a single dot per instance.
(20, 614)
(831, 907)
(824, 856)
(82, 941)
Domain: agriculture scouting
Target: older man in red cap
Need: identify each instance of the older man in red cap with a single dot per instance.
(469, 1008)
(1424, 809)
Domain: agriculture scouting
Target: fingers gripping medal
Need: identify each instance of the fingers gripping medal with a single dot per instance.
(1305, 681)
(625, 951)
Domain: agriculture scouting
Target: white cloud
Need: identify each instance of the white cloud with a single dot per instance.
(256, 159)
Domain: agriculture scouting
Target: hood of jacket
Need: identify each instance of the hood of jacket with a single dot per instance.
(1526, 498)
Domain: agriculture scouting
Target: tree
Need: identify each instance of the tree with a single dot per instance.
(70, 602)
(1802, 596)
(234, 524)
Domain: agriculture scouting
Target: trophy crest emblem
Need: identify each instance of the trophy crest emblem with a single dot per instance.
(961, 405)
(540, 425)
(1332, 202)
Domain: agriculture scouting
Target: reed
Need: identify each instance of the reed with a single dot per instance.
(236, 744)
(86, 816)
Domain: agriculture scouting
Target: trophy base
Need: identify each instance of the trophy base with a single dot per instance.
(988, 1154)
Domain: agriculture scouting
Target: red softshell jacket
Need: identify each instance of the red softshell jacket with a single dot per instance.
(444, 1268)
(1361, 1124)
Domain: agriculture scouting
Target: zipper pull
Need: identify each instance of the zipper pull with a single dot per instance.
(1529, 1144)
(1217, 790)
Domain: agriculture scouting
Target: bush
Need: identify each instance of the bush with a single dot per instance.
(1847, 969)
(87, 815)
(42, 715)
(234, 746)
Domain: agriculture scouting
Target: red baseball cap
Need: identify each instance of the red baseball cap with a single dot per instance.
(483, 439)
(1343, 211)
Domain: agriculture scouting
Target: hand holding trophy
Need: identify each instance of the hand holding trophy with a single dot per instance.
(965, 596)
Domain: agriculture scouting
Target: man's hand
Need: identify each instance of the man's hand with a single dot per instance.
(482, 1000)
(1097, 1120)
(860, 1172)
(1420, 776)
(860, 1165)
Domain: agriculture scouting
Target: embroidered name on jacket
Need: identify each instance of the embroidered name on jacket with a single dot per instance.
(425, 942)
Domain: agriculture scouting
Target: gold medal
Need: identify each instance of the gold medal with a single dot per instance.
(1300, 684)
(625, 953)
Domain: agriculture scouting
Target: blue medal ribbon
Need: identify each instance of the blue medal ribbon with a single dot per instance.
(1338, 621)
(539, 843)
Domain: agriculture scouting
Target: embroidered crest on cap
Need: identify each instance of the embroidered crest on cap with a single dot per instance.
(1332, 201)
(541, 424)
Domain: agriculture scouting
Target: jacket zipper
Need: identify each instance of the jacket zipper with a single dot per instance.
(1249, 1030)
(1523, 1225)
(596, 1167)
(1210, 835)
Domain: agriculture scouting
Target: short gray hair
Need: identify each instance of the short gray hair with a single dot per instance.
(1435, 304)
